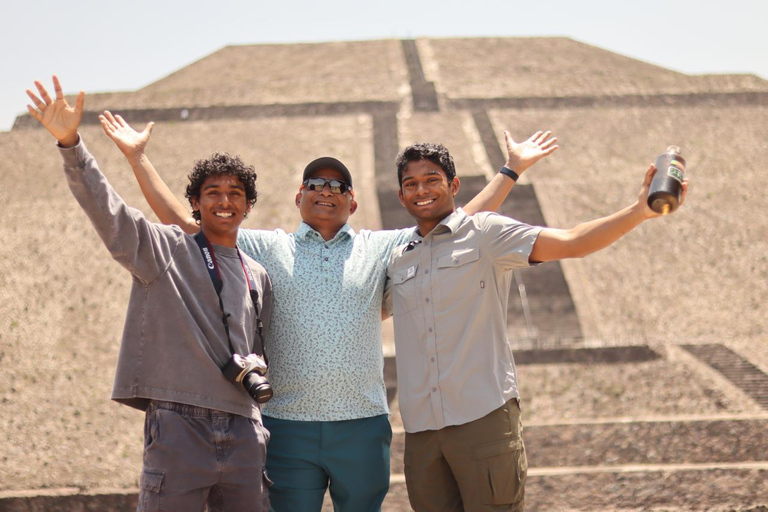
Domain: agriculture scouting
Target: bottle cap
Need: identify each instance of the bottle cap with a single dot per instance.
(675, 150)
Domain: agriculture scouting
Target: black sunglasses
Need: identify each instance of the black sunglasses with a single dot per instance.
(337, 186)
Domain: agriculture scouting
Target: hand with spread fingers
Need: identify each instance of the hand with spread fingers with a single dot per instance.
(130, 142)
(57, 116)
(520, 156)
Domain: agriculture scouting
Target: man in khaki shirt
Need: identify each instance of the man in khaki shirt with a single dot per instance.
(448, 291)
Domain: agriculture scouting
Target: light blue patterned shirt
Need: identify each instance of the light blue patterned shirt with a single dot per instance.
(324, 344)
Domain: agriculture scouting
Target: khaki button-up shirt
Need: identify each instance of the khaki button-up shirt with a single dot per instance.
(448, 292)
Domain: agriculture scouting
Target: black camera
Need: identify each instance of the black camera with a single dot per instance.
(250, 371)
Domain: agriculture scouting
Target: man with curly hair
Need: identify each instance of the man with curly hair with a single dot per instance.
(196, 301)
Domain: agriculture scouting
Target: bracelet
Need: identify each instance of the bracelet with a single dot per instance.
(509, 172)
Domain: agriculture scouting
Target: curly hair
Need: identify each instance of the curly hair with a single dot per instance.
(435, 153)
(217, 165)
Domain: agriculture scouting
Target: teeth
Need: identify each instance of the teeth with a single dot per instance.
(423, 203)
(324, 204)
(224, 215)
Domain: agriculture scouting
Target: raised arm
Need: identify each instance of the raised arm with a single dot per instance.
(519, 158)
(142, 247)
(160, 198)
(588, 237)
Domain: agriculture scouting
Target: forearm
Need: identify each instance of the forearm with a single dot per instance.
(103, 206)
(588, 237)
(598, 234)
(492, 196)
(160, 198)
(123, 230)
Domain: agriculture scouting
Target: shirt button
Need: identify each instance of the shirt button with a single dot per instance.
(434, 390)
(427, 299)
(430, 329)
(432, 359)
(326, 258)
(326, 246)
(426, 271)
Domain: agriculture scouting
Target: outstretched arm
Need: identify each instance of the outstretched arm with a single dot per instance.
(137, 244)
(591, 236)
(519, 158)
(160, 198)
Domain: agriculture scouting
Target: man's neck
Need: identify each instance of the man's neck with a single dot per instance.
(226, 240)
(327, 232)
(425, 227)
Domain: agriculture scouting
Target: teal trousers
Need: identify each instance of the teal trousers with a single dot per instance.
(348, 458)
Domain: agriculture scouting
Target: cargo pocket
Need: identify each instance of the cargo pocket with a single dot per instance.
(502, 469)
(151, 485)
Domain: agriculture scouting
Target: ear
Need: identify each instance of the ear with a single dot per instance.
(455, 185)
(400, 196)
(247, 209)
(352, 202)
(298, 199)
(195, 203)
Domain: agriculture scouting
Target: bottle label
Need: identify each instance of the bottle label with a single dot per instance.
(675, 170)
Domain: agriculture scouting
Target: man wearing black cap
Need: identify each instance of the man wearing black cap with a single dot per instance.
(326, 209)
(328, 418)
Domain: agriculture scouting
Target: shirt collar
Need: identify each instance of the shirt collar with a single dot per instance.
(304, 231)
(451, 223)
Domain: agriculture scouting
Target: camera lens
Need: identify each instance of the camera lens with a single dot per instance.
(258, 387)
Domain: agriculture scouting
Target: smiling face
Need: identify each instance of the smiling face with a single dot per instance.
(426, 193)
(323, 210)
(222, 205)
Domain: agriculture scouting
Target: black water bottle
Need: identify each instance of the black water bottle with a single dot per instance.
(667, 184)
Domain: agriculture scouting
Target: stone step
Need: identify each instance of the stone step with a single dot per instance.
(669, 488)
(69, 500)
(636, 443)
(586, 355)
(745, 375)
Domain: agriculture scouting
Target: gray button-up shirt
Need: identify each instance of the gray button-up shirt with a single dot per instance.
(448, 292)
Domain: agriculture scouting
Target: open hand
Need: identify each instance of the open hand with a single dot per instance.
(130, 142)
(521, 156)
(57, 116)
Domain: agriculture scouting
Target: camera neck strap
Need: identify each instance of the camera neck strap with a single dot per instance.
(209, 258)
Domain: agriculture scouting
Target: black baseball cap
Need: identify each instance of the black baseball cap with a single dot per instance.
(327, 162)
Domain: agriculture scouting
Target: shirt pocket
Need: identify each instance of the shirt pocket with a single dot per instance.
(458, 277)
(406, 290)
